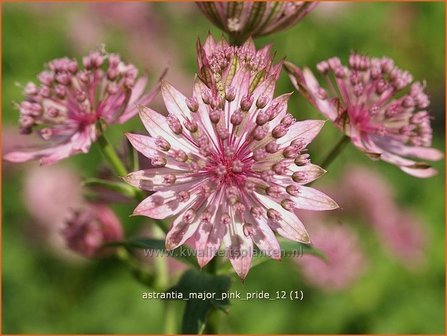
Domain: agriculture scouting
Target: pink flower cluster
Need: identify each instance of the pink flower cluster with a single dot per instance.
(65, 107)
(232, 165)
(367, 100)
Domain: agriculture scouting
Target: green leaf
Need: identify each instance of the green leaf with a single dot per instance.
(182, 253)
(207, 290)
(295, 249)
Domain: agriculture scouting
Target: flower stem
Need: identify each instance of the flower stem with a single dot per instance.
(169, 316)
(212, 321)
(111, 156)
(113, 159)
(336, 150)
(162, 283)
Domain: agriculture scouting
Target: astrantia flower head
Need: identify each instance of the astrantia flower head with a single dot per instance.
(64, 108)
(243, 19)
(90, 228)
(231, 172)
(376, 104)
(223, 67)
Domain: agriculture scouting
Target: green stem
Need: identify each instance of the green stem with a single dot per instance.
(162, 283)
(110, 154)
(336, 150)
(125, 189)
(160, 264)
(133, 157)
(114, 160)
(212, 321)
(170, 318)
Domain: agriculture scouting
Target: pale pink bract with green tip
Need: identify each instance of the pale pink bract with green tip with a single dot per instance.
(229, 168)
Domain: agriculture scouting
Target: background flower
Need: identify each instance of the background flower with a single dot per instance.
(345, 259)
(90, 228)
(367, 103)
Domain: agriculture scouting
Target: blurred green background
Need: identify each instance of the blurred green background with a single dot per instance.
(45, 293)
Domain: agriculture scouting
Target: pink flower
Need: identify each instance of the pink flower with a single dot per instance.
(231, 168)
(345, 259)
(49, 194)
(367, 102)
(90, 228)
(243, 19)
(64, 109)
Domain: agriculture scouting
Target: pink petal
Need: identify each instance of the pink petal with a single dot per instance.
(58, 153)
(180, 232)
(156, 125)
(19, 156)
(175, 101)
(239, 249)
(396, 147)
(265, 239)
(208, 237)
(154, 179)
(424, 153)
(146, 146)
(310, 172)
(421, 173)
(162, 204)
(312, 199)
(289, 226)
(306, 83)
(304, 130)
(137, 98)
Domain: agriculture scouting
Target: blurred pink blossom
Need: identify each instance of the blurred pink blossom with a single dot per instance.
(404, 237)
(345, 259)
(364, 192)
(49, 193)
(90, 228)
